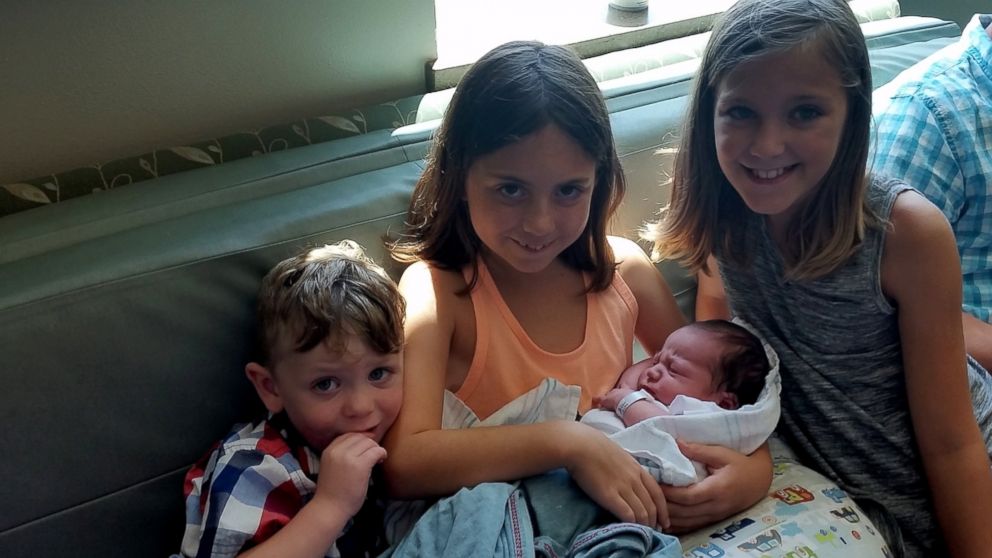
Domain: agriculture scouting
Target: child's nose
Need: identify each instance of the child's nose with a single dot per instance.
(358, 403)
(540, 218)
(769, 140)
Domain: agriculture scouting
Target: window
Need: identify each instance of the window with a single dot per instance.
(466, 29)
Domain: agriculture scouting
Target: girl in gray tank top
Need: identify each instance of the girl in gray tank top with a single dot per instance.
(854, 281)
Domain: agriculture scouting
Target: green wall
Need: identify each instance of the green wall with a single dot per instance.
(954, 10)
(88, 82)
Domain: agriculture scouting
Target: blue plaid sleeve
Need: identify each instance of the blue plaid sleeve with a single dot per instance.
(936, 134)
(911, 146)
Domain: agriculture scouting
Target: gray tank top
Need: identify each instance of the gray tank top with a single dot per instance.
(844, 406)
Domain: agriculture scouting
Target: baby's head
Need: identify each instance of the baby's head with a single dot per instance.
(331, 341)
(713, 360)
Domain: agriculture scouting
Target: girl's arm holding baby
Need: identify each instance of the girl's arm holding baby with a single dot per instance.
(921, 274)
(425, 460)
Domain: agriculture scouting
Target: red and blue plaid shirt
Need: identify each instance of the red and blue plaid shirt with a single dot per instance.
(252, 483)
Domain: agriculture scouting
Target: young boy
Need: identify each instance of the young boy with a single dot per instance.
(713, 360)
(330, 375)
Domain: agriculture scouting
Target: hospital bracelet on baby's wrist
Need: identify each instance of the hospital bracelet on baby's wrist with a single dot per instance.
(630, 399)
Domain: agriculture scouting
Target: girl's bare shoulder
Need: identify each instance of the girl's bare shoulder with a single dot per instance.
(629, 256)
(423, 278)
(918, 232)
(435, 295)
(916, 225)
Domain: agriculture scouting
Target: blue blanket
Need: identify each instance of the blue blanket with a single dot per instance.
(542, 516)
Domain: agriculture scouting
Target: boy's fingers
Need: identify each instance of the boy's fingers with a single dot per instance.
(376, 453)
(351, 442)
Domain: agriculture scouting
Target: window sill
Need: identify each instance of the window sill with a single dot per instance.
(467, 29)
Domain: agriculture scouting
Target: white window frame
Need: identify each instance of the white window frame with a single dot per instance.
(466, 29)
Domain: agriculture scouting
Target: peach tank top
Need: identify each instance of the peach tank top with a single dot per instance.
(508, 364)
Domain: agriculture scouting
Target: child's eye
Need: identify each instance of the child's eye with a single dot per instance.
(510, 190)
(326, 385)
(379, 374)
(807, 113)
(570, 191)
(739, 113)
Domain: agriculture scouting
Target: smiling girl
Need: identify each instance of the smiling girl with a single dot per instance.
(854, 280)
(514, 280)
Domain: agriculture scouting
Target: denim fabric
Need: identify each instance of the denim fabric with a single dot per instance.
(490, 519)
(546, 515)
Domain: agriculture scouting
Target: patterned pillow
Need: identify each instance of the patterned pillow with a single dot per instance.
(805, 515)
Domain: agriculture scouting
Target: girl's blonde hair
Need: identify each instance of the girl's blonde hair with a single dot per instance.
(513, 91)
(706, 214)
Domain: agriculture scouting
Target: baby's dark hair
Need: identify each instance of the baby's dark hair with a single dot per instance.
(744, 364)
(324, 294)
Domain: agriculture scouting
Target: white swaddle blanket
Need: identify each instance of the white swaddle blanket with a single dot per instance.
(549, 400)
(652, 441)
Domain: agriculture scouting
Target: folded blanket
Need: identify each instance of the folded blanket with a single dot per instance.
(545, 516)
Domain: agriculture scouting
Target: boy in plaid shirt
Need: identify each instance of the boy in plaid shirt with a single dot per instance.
(330, 375)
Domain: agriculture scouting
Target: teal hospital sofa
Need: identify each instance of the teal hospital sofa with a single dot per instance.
(126, 317)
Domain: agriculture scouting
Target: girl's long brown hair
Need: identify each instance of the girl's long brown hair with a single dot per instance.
(513, 91)
(706, 214)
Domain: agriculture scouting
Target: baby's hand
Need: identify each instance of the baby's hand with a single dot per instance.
(345, 467)
(612, 398)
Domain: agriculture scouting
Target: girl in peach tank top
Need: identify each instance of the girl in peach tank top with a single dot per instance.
(508, 363)
(514, 282)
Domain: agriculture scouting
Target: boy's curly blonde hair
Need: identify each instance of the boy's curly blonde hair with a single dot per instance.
(325, 294)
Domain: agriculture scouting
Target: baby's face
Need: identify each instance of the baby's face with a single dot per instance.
(685, 365)
(326, 393)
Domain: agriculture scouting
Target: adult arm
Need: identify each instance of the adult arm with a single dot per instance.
(920, 273)
(711, 299)
(426, 461)
(913, 146)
